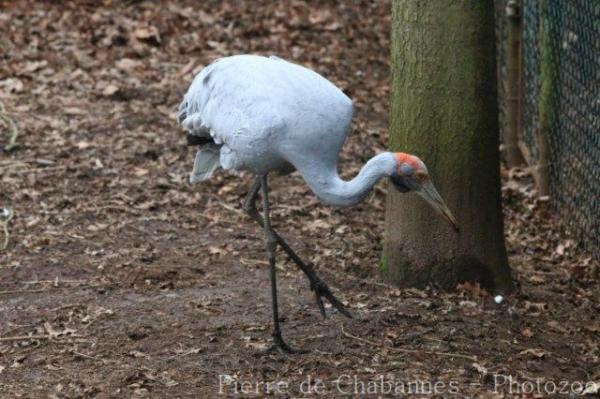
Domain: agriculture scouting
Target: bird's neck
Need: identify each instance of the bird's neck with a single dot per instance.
(331, 189)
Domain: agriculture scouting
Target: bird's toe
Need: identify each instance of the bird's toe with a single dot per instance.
(322, 290)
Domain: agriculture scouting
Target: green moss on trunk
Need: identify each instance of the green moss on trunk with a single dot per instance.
(548, 72)
(548, 98)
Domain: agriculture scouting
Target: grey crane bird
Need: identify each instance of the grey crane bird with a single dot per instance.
(263, 115)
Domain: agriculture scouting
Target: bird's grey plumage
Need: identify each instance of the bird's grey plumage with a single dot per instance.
(206, 162)
(267, 114)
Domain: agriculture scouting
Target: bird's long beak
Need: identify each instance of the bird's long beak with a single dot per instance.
(428, 192)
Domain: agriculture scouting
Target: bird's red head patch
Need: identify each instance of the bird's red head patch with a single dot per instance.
(410, 160)
(410, 165)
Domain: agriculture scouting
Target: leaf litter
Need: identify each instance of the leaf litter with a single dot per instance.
(114, 259)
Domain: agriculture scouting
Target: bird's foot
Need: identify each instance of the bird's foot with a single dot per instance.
(322, 290)
(279, 346)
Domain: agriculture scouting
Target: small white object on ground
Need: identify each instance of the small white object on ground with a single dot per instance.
(498, 299)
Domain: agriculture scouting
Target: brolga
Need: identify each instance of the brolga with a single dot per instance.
(264, 115)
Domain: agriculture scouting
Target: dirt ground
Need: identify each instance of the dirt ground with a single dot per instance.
(122, 280)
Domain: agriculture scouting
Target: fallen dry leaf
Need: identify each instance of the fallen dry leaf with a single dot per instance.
(527, 333)
(127, 64)
(110, 90)
(147, 33)
(534, 352)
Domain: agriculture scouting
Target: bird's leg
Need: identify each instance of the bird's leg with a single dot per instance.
(279, 344)
(317, 285)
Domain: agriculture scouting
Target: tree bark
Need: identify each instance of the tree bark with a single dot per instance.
(444, 110)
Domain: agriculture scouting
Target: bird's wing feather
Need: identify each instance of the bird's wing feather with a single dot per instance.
(190, 109)
(205, 163)
(195, 125)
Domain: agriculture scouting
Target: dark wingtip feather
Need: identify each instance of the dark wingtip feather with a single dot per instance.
(182, 112)
(192, 139)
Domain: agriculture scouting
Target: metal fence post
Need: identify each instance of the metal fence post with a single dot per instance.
(512, 99)
(547, 102)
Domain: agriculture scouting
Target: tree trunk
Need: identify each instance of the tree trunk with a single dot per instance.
(444, 110)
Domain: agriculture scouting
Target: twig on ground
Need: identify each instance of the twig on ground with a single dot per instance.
(56, 281)
(8, 214)
(56, 284)
(39, 336)
(73, 305)
(88, 356)
(38, 170)
(24, 337)
(11, 163)
(11, 126)
(20, 292)
(230, 208)
(402, 350)
(368, 282)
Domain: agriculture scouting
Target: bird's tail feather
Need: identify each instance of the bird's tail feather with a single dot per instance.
(206, 162)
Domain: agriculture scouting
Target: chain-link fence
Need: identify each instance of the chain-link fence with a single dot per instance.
(560, 105)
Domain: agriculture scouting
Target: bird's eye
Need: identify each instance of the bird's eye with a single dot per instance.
(405, 170)
(420, 175)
